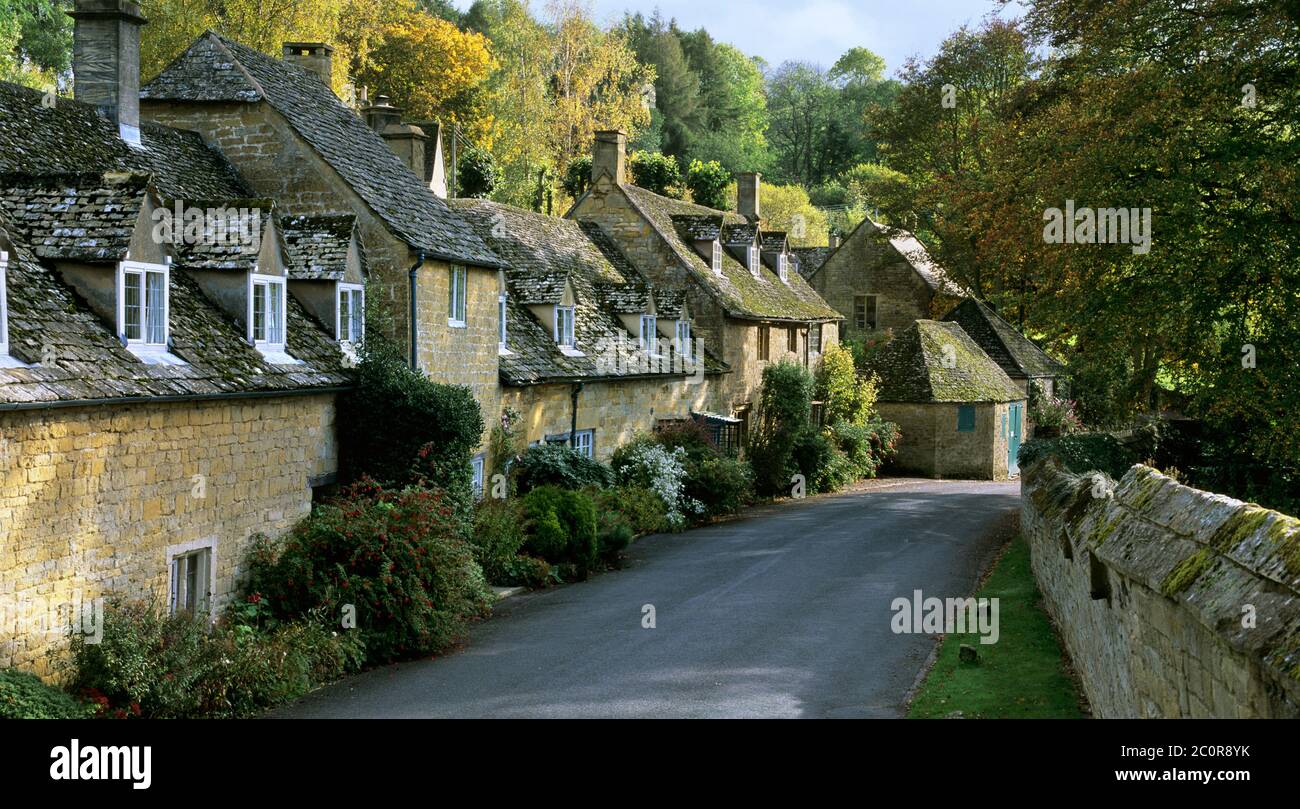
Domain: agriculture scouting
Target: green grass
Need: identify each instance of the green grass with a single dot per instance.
(1022, 676)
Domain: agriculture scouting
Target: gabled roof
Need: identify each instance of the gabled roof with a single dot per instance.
(229, 249)
(1015, 353)
(934, 361)
(741, 234)
(697, 227)
(775, 241)
(75, 217)
(318, 246)
(48, 320)
(217, 69)
(743, 295)
(908, 248)
(72, 138)
(545, 255)
(810, 259)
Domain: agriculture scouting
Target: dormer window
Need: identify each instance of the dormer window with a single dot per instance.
(782, 266)
(649, 339)
(564, 326)
(501, 323)
(684, 339)
(266, 302)
(753, 260)
(143, 307)
(717, 256)
(457, 293)
(351, 325)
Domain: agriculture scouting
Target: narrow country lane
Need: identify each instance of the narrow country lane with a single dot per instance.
(782, 614)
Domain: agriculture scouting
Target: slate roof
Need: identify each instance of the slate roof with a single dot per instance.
(743, 295)
(318, 246)
(72, 138)
(1014, 353)
(774, 241)
(909, 249)
(75, 217)
(739, 233)
(231, 251)
(544, 253)
(810, 259)
(697, 227)
(217, 69)
(936, 361)
(48, 320)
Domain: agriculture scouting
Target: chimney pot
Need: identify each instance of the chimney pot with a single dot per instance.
(747, 195)
(609, 156)
(317, 57)
(833, 239)
(106, 60)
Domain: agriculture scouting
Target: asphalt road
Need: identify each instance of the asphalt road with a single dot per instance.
(783, 614)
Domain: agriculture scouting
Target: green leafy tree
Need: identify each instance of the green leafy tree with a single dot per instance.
(656, 172)
(476, 172)
(708, 183)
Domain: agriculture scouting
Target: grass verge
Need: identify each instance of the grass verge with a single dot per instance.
(1022, 676)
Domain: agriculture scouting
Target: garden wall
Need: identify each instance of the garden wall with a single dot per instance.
(1172, 602)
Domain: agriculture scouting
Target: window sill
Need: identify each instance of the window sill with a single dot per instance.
(154, 355)
(502, 351)
(570, 351)
(277, 355)
(7, 361)
(455, 324)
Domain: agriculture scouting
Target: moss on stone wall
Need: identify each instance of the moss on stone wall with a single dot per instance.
(1186, 572)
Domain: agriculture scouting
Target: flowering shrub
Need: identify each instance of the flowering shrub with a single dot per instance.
(1052, 412)
(557, 465)
(663, 471)
(398, 558)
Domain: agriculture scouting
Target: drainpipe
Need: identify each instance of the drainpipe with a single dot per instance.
(573, 416)
(415, 269)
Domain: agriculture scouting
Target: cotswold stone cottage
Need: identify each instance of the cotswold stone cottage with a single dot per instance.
(163, 396)
(292, 140)
(881, 278)
(1014, 353)
(959, 414)
(590, 352)
(749, 305)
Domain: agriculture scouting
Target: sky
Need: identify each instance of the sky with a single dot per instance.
(814, 30)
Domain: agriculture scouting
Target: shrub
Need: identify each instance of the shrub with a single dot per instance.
(153, 664)
(399, 557)
(557, 465)
(1049, 411)
(656, 172)
(637, 507)
(785, 402)
(498, 538)
(867, 447)
(845, 395)
(663, 471)
(720, 484)
(1083, 453)
(709, 183)
(24, 696)
(577, 176)
(400, 428)
(562, 528)
(476, 173)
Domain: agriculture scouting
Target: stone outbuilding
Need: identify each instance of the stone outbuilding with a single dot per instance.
(959, 414)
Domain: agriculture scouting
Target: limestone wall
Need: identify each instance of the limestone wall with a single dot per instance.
(93, 499)
(930, 444)
(1173, 602)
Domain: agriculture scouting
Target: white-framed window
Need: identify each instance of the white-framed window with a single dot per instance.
(456, 286)
(754, 256)
(717, 256)
(649, 338)
(782, 266)
(266, 302)
(192, 577)
(501, 323)
(476, 483)
(684, 338)
(143, 305)
(351, 325)
(584, 441)
(564, 325)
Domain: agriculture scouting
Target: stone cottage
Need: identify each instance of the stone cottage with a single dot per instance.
(591, 353)
(1014, 353)
(748, 304)
(880, 278)
(293, 141)
(960, 415)
(163, 396)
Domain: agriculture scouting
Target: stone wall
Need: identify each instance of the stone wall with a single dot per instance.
(92, 498)
(1172, 602)
(930, 444)
(615, 410)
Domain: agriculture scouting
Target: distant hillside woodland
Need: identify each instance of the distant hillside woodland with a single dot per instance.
(1186, 108)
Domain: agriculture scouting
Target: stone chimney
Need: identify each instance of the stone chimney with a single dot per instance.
(407, 141)
(833, 239)
(314, 56)
(609, 156)
(435, 165)
(747, 202)
(381, 114)
(106, 61)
